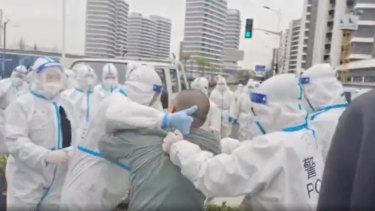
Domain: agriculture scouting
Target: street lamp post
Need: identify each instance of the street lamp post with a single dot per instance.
(5, 33)
(4, 46)
(279, 33)
(63, 28)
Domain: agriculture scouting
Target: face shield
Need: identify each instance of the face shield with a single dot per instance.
(109, 78)
(320, 93)
(276, 104)
(89, 78)
(51, 80)
(110, 81)
(18, 78)
(86, 77)
(19, 75)
(221, 85)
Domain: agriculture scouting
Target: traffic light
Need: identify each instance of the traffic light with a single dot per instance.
(249, 28)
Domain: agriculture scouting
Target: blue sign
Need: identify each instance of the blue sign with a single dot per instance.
(260, 68)
(9, 61)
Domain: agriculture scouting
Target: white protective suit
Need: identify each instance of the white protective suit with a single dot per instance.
(244, 114)
(83, 97)
(94, 183)
(279, 171)
(13, 87)
(323, 95)
(240, 89)
(222, 97)
(109, 83)
(3, 148)
(37, 137)
(213, 117)
(71, 81)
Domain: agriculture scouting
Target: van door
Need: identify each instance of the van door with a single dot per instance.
(175, 83)
(164, 95)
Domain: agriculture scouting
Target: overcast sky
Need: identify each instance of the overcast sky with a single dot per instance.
(40, 21)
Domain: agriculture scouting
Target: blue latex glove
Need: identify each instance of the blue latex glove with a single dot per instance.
(181, 120)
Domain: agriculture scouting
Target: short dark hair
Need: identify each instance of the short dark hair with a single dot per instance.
(193, 97)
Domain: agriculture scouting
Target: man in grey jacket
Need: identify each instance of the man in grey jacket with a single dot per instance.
(157, 184)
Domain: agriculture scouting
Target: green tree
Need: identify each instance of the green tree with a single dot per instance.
(203, 63)
(184, 59)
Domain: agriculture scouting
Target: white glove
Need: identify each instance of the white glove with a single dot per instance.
(58, 157)
(228, 145)
(170, 139)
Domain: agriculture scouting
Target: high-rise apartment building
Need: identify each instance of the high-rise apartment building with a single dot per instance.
(363, 42)
(148, 37)
(204, 36)
(106, 28)
(284, 51)
(328, 35)
(232, 32)
(163, 36)
(294, 46)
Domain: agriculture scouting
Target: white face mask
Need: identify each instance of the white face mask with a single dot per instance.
(108, 83)
(17, 81)
(90, 81)
(52, 89)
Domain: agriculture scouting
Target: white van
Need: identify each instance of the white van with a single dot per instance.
(174, 81)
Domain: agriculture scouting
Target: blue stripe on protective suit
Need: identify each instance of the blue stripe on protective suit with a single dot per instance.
(123, 92)
(326, 109)
(58, 141)
(100, 155)
(261, 128)
(298, 128)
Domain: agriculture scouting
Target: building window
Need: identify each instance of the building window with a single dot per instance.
(369, 79)
(357, 79)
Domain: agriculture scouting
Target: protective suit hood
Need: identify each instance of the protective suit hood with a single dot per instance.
(221, 84)
(86, 77)
(321, 88)
(18, 75)
(200, 84)
(110, 77)
(144, 86)
(48, 77)
(276, 103)
(251, 85)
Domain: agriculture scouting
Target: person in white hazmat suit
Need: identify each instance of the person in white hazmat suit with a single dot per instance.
(39, 132)
(13, 87)
(213, 117)
(109, 81)
(94, 183)
(324, 99)
(243, 111)
(240, 89)
(71, 81)
(83, 97)
(233, 114)
(222, 97)
(278, 171)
